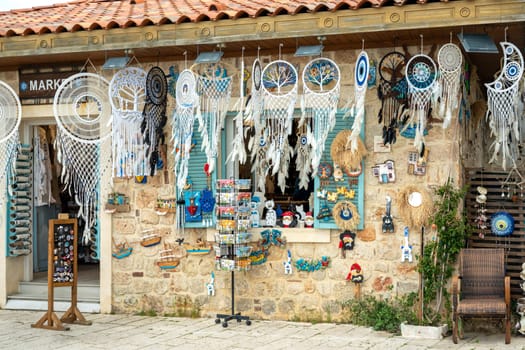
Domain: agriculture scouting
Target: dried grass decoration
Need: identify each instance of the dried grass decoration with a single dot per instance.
(415, 206)
(345, 215)
(342, 153)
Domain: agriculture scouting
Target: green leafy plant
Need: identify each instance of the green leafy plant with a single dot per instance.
(450, 229)
(381, 314)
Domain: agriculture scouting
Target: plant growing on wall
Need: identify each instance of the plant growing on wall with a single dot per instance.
(450, 229)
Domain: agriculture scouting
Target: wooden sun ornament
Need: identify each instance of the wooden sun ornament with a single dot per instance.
(415, 206)
(342, 153)
(345, 215)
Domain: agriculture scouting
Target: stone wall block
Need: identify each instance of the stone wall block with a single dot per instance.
(295, 287)
(149, 217)
(146, 198)
(123, 226)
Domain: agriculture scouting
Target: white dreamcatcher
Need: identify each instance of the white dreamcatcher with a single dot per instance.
(214, 87)
(82, 111)
(182, 124)
(502, 114)
(421, 75)
(362, 68)
(127, 94)
(321, 87)
(450, 61)
(238, 152)
(279, 86)
(10, 116)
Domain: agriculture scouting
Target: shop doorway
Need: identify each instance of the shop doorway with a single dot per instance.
(49, 199)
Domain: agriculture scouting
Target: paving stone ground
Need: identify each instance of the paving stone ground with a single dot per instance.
(159, 333)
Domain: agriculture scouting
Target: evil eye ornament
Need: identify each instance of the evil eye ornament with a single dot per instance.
(512, 71)
(502, 224)
(346, 214)
(362, 68)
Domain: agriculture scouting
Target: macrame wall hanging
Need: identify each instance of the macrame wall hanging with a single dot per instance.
(154, 116)
(421, 76)
(10, 115)
(182, 124)
(127, 94)
(214, 87)
(502, 98)
(321, 88)
(450, 62)
(82, 111)
(392, 91)
(238, 152)
(279, 89)
(362, 67)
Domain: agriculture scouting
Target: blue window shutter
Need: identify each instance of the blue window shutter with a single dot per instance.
(328, 223)
(196, 170)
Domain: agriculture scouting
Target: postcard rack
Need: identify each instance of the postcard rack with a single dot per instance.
(62, 271)
(232, 252)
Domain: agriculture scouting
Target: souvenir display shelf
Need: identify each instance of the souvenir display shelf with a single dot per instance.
(20, 207)
(232, 251)
(62, 271)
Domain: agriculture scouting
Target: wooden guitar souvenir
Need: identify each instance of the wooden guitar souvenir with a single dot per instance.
(406, 249)
(388, 223)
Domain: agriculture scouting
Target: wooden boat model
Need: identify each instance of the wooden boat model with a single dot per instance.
(122, 252)
(168, 258)
(150, 239)
(199, 248)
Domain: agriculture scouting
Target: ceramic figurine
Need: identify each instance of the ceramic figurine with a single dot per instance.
(254, 212)
(271, 216)
(287, 218)
(406, 249)
(288, 264)
(308, 219)
(210, 286)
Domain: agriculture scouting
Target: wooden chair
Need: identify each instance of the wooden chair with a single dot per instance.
(481, 290)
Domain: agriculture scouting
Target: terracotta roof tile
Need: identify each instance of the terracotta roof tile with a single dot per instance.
(107, 14)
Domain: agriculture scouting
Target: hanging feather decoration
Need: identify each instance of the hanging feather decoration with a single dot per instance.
(238, 152)
(154, 114)
(362, 67)
(182, 124)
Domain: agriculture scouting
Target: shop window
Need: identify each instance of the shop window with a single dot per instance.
(292, 195)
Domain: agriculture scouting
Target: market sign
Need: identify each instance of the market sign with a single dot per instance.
(41, 85)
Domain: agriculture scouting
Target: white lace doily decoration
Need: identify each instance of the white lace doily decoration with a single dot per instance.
(82, 108)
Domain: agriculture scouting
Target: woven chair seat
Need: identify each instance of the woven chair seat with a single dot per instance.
(481, 288)
(482, 306)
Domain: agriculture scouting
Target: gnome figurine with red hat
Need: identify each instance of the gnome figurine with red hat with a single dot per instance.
(355, 275)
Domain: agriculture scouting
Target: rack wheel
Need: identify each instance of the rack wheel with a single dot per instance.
(248, 322)
(225, 324)
(239, 320)
(217, 320)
